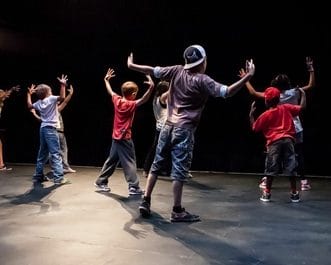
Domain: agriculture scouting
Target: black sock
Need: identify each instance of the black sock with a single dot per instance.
(147, 199)
(177, 209)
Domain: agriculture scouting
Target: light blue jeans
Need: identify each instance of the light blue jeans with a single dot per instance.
(179, 144)
(49, 148)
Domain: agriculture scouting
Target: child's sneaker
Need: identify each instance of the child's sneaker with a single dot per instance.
(135, 191)
(265, 197)
(184, 217)
(305, 185)
(145, 209)
(295, 197)
(5, 168)
(39, 179)
(263, 183)
(63, 181)
(102, 187)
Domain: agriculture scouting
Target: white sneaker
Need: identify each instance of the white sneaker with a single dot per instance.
(102, 187)
(5, 168)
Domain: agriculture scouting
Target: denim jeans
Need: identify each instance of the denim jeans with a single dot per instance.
(178, 143)
(49, 148)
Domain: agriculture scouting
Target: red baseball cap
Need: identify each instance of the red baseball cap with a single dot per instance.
(271, 93)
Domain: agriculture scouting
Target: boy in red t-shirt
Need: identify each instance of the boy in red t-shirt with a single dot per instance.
(122, 149)
(277, 126)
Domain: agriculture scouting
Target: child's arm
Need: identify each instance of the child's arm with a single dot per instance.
(4, 94)
(110, 74)
(310, 68)
(250, 70)
(164, 97)
(303, 98)
(63, 81)
(251, 113)
(148, 93)
(249, 86)
(31, 90)
(67, 99)
(145, 69)
(34, 113)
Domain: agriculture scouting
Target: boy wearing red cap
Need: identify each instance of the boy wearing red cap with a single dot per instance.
(277, 126)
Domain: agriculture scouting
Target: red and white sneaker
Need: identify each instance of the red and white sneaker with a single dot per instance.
(263, 183)
(305, 185)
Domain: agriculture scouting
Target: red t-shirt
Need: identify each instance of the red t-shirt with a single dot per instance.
(124, 111)
(277, 123)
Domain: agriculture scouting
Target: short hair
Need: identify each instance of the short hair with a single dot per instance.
(42, 90)
(161, 87)
(281, 81)
(128, 88)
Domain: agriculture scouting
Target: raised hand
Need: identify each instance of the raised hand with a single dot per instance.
(63, 79)
(16, 88)
(250, 67)
(130, 60)
(242, 73)
(110, 74)
(309, 64)
(32, 89)
(71, 90)
(253, 108)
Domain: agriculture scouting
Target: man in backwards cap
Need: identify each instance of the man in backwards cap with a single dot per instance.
(189, 90)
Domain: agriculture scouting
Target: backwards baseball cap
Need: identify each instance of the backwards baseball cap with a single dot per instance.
(194, 55)
(271, 93)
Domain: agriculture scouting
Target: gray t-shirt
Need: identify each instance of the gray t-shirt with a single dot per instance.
(292, 96)
(188, 94)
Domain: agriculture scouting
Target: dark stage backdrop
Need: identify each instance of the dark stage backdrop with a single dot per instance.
(40, 40)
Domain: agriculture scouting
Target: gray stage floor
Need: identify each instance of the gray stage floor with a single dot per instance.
(73, 224)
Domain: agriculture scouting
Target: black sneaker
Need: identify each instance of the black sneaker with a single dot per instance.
(265, 197)
(39, 179)
(145, 209)
(184, 216)
(295, 197)
(135, 191)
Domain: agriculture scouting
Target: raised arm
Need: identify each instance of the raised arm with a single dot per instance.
(251, 113)
(250, 87)
(164, 97)
(64, 103)
(63, 81)
(31, 90)
(148, 93)
(145, 69)
(310, 68)
(110, 74)
(235, 87)
(303, 98)
(4, 94)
